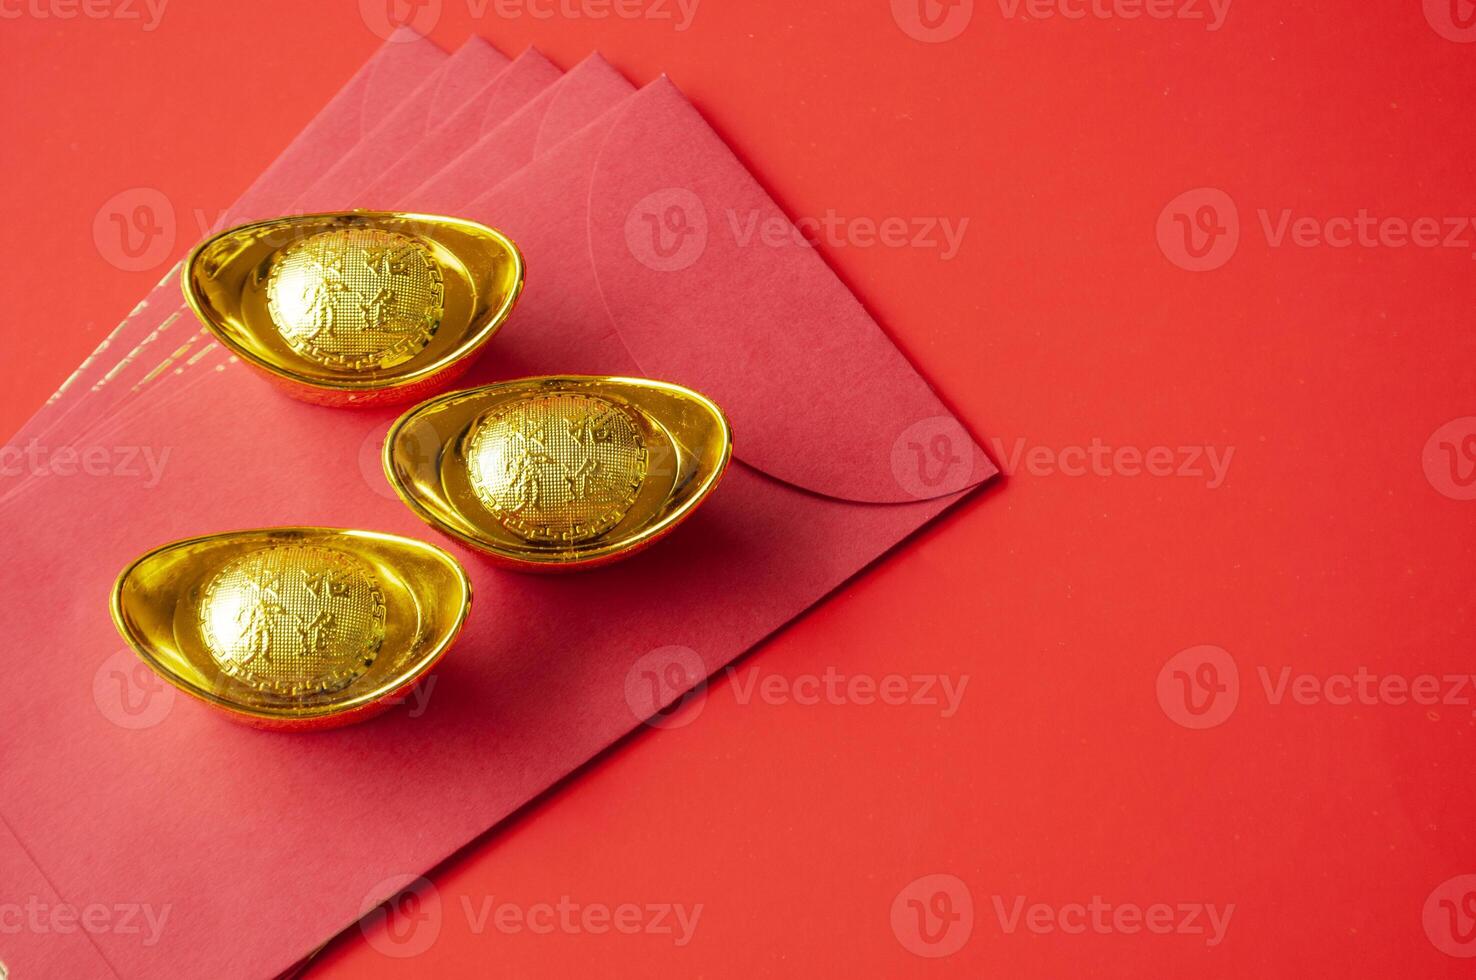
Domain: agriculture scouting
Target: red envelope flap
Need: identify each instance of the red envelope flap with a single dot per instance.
(405, 62)
(386, 74)
(474, 64)
(464, 127)
(563, 108)
(569, 104)
(818, 396)
(529, 75)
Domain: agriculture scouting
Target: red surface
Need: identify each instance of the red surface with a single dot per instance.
(1330, 546)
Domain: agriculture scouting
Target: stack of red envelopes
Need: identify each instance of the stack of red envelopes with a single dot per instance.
(241, 851)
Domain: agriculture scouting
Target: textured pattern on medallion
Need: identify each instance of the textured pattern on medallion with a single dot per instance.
(557, 468)
(293, 619)
(356, 298)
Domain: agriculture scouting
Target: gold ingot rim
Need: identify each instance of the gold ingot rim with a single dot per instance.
(698, 467)
(480, 327)
(185, 670)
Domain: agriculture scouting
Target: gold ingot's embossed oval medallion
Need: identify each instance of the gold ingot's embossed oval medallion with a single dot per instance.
(558, 467)
(356, 307)
(356, 298)
(292, 627)
(292, 619)
(559, 473)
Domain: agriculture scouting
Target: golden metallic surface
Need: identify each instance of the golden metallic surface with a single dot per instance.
(293, 620)
(558, 473)
(355, 308)
(292, 628)
(557, 467)
(356, 297)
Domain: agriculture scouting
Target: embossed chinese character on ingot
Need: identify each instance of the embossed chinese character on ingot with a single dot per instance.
(550, 474)
(562, 467)
(293, 620)
(356, 308)
(356, 298)
(292, 627)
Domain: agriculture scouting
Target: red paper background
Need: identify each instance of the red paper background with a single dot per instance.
(1060, 321)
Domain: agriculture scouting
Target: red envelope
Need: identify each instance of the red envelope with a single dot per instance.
(405, 68)
(261, 845)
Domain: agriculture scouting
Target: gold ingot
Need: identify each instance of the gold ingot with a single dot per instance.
(292, 627)
(559, 473)
(356, 307)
